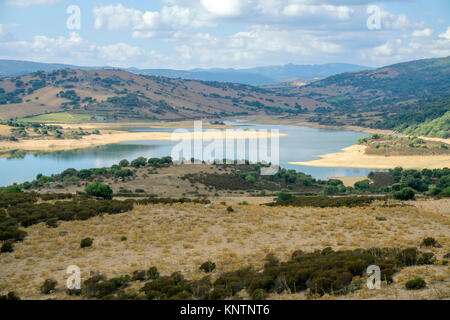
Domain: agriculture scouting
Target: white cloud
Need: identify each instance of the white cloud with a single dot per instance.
(146, 24)
(116, 17)
(119, 52)
(27, 3)
(427, 32)
(74, 48)
(2, 32)
(223, 8)
(445, 35)
(254, 46)
(301, 9)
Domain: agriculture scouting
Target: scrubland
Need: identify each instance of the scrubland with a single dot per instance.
(180, 237)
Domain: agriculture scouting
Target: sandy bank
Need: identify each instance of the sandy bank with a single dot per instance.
(355, 157)
(112, 136)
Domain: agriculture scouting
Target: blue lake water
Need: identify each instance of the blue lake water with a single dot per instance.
(301, 144)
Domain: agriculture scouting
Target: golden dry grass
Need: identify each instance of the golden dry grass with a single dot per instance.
(182, 236)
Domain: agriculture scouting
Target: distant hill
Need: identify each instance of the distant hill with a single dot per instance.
(122, 95)
(254, 76)
(392, 97)
(411, 97)
(260, 76)
(11, 68)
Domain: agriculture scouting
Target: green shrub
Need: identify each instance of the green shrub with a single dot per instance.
(362, 185)
(12, 189)
(445, 192)
(10, 296)
(230, 209)
(153, 273)
(334, 182)
(208, 266)
(86, 242)
(322, 201)
(7, 246)
(52, 223)
(139, 162)
(430, 242)
(282, 196)
(139, 275)
(48, 286)
(415, 284)
(405, 194)
(330, 190)
(124, 163)
(259, 294)
(98, 189)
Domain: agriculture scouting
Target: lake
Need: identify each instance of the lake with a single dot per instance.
(301, 144)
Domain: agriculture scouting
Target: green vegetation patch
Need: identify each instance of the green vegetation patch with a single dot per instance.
(322, 201)
(59, 117)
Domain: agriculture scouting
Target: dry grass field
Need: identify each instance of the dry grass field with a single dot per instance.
(180, 237)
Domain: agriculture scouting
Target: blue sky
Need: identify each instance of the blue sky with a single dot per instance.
(185, 34)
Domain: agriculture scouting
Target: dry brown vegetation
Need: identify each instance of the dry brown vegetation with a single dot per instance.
(180, 237)
(182, 99)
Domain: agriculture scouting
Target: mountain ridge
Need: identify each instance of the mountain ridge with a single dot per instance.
(256, 76)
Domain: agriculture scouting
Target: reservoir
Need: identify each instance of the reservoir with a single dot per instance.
(301, 144)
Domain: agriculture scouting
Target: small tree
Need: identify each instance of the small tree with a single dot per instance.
(12, 189)
(415, 284)
(124, 163)
(98, 189)
(139, 162)
(208, 266)
(405, 194)
(86, 242)
(48, 286)
(283, 196)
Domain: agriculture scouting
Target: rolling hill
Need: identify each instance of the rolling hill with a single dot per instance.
(393, 97)
(121, 95)
(258, 76)
(410, 97)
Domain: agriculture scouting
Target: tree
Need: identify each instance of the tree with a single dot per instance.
(12, 189)
(405, 194)
(139, 162)
(124, 163)
(98, 189)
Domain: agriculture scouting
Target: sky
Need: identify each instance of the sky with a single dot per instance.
(186, 34)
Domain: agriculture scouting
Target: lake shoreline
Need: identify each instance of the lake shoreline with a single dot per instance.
(355, 157)
(115, 136)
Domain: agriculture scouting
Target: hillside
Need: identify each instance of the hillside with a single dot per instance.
(120, 95)
(257, 76)
(392, 97)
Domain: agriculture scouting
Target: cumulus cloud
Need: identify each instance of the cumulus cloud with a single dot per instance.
(228, 8)
(422, 33)
(148, 23)
(119, 52)
(27, 3)
(2, 32)
(301, 9)
(73, 48)
(254, 46)
(445, 35)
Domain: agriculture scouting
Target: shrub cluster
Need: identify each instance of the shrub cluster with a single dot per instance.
(415, 284)
(86, 242)
(322, 201)
(319, 272)
(48, 286)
